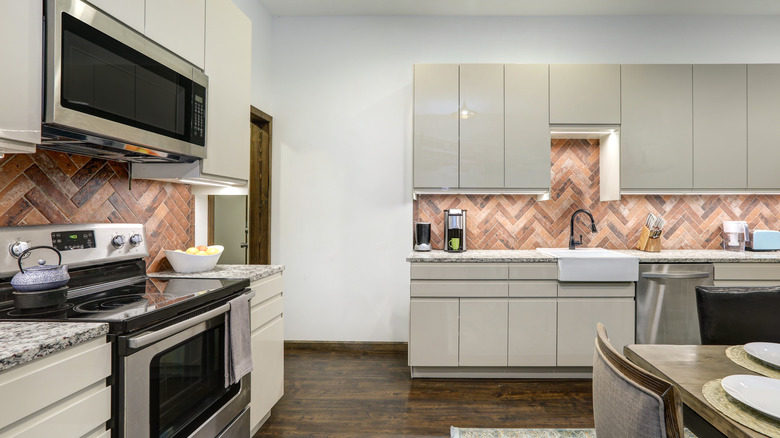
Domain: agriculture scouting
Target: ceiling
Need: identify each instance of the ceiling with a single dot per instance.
(521, 7)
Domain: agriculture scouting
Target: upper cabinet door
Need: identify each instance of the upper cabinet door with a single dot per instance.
(720, 126)
(657, 127)
(129, 12)
(482, 126)
(527, 129)
(763, 114)
(585, 93)
(228, 66)
(435, 126)
(179, 26)
(20, 94)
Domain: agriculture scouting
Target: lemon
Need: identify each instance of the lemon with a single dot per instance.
(212, 251)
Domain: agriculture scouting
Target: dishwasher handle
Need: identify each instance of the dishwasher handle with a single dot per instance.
(681, 275)
(152, 337)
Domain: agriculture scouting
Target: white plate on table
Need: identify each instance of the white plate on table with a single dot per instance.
(766, 351)
(758, 392)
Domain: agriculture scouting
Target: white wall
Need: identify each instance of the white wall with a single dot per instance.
(342, 94)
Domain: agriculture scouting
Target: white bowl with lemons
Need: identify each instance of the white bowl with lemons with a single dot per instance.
(194, 259)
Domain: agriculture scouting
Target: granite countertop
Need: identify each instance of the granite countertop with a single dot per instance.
(533, 256)
(22, 342)
(252, 272)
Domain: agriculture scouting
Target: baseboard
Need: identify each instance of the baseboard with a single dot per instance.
(357, 346)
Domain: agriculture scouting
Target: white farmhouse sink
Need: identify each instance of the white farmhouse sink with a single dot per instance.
(593, 264)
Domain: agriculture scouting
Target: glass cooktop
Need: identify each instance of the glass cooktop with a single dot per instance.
(135, 305)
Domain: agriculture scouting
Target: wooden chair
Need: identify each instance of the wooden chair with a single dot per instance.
(628, 401)
(738, 315)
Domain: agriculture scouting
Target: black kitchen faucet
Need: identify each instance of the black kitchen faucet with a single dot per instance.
(574, 243)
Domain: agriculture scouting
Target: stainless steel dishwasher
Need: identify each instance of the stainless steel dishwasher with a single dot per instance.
(666, 302)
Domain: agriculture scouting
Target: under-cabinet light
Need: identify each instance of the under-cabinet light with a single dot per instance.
(611, 131)
(205, 183)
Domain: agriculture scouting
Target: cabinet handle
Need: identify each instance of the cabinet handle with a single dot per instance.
(682, 275)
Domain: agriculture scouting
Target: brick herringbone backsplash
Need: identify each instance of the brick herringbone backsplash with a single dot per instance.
(520, 222)
(52, 187)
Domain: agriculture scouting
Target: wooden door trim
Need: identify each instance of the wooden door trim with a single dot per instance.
(260, 190)
(210, 235)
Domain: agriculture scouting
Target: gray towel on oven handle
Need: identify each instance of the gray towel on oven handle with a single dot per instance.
(238, 345)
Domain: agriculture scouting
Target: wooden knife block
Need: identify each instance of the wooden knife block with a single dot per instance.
(646, 243)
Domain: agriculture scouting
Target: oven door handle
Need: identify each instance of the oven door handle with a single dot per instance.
(152, 337)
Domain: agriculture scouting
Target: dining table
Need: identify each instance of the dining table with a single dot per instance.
(689, 367)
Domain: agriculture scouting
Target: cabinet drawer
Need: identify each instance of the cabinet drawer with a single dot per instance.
(266, 311)
(533, 271)
(74, 416)
(266, 288)
(49, 379)
(459, 289)
(528, 289)
(460, 271)
(596, 290)
(747, 271)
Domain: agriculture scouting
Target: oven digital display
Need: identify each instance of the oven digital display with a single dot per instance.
(65, 241)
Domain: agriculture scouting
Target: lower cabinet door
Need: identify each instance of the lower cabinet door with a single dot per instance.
(483, 331)
(433, 332)
(267, 369)
(577, 318)
(532, 332)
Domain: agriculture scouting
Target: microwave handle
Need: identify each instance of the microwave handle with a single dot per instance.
(152, 337)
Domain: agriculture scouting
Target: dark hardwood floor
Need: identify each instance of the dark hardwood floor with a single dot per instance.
(365, 390)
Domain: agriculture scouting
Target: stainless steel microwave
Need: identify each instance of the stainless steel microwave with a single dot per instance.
(112, 93)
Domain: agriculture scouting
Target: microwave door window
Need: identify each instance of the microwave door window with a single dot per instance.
(108, 79)
(157, 100)
(97, 80)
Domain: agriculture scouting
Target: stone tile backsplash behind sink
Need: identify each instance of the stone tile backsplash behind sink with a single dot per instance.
(520, 222)
(52, 187)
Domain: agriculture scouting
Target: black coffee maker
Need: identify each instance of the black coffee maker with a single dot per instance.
(454, 230)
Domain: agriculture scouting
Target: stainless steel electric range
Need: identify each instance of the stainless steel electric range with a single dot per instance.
(167, 334)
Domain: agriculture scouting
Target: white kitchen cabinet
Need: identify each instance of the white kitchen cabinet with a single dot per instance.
(228, 59)
(20, 95)
(436, 125)
(433, 331)
(526, 127)
(510, 320)
(763, 113)
(720, 126)
(585, 94)
(481, 126)
(532, 332)
(577, 318)
(129, 12)
(267, 339)
(483, 332)
(62, 394)
(657, 127)
(179, 26)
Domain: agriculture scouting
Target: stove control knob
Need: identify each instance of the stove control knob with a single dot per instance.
(118, 241)
(136, 239)
(18, 248)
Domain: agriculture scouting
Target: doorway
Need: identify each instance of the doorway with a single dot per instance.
(252, 211)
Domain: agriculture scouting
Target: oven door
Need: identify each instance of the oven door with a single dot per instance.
(172, 382)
